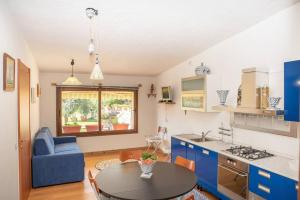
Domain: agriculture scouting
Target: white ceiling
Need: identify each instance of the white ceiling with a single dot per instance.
(140, 37)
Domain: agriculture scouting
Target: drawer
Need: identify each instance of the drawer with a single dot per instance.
(269, 185)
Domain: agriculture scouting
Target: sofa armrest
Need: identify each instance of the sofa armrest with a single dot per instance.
(64, 139)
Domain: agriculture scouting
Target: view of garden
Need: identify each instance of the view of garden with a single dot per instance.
(80, 111)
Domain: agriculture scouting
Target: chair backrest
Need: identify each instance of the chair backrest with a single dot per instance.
(189, 164)
(130, 155)
(162, 130)
(94, 185)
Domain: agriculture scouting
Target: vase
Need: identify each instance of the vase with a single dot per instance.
(146, 167)
(274, 101)
(222, 96)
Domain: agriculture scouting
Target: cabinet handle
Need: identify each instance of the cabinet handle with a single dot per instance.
(297, 187)
(182, 143)
(264, 174)
(205, 152)
(264, 188)
(191, 146)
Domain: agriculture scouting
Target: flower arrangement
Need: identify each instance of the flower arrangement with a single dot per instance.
(147, 162)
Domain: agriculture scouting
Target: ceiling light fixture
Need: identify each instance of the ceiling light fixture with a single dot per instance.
(91, 13)
(97, 72)
(93, 47)
(72, 80)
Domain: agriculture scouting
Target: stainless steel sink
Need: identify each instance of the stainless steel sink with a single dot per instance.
(195, 138)
(189, 136)
(202, 140)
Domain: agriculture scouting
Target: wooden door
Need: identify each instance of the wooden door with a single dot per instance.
(24, 138)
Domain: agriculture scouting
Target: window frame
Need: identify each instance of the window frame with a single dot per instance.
(59, 91)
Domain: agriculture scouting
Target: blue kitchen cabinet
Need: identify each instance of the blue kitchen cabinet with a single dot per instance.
(269, 185)
(191, 152)
(292, 91)
(207, 169)
(178, 148)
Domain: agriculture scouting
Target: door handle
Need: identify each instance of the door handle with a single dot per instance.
(264, 188)
(264, 174)
(233, 171)
(21, 144)
(205, 152)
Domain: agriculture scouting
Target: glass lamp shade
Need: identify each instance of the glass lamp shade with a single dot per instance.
(97, 73)
(71, 80)
(91, 48)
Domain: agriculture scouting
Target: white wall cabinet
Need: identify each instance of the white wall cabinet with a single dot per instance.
(198, 93)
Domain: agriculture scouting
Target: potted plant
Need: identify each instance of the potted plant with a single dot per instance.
(113, 105)
(73, 127)
(118, 126)
(147, 163)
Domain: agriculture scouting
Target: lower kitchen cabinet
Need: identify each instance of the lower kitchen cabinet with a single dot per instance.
(178, 148)
(269, 185)
(207, 169)
(191, 152)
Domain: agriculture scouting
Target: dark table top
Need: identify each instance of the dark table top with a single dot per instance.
(168, 181)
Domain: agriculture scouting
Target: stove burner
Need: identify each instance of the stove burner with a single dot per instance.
(248, 152)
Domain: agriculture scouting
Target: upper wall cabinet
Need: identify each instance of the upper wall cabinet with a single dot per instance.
(198, 93)
(292, 91)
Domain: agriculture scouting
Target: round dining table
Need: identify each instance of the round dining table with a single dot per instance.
(123, 181)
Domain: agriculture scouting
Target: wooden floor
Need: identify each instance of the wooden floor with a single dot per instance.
(81, 190)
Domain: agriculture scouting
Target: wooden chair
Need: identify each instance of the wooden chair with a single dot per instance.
(95, 187)
(189, 164)
(126, 156)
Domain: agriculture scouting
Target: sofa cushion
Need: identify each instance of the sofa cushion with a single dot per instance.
(48, 132)
(43, 145)
(66, 147)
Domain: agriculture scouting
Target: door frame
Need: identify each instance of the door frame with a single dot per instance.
(19, 134)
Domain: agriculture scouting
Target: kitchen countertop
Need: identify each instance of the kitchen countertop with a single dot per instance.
(277, 164)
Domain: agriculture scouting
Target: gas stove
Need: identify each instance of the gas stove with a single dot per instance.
(248, 152)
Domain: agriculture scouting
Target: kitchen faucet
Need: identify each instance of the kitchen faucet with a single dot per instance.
(204, 134)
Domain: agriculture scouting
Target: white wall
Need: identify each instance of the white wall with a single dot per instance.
(11, 42)
(146, 115)
(268, 44)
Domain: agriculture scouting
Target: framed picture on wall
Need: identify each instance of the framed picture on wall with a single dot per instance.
(38, 90)
(8, 73)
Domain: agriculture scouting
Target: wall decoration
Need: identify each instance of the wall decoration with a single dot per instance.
(152, 91)
(38, 90)
(8, 73)
(202, 70)
(33, 95)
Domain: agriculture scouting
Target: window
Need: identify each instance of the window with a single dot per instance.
(96, 111)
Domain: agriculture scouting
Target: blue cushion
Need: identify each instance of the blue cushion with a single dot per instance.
(66, 147)
(48, 132)
(43, 145)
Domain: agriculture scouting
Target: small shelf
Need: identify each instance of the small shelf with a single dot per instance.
(166, 102)
(151, 95)
(266, 112)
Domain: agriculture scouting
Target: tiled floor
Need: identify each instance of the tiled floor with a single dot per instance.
(82, 190)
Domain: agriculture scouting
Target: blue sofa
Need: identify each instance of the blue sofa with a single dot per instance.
(56, 160)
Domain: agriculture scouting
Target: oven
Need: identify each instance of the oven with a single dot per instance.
(233, 178)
